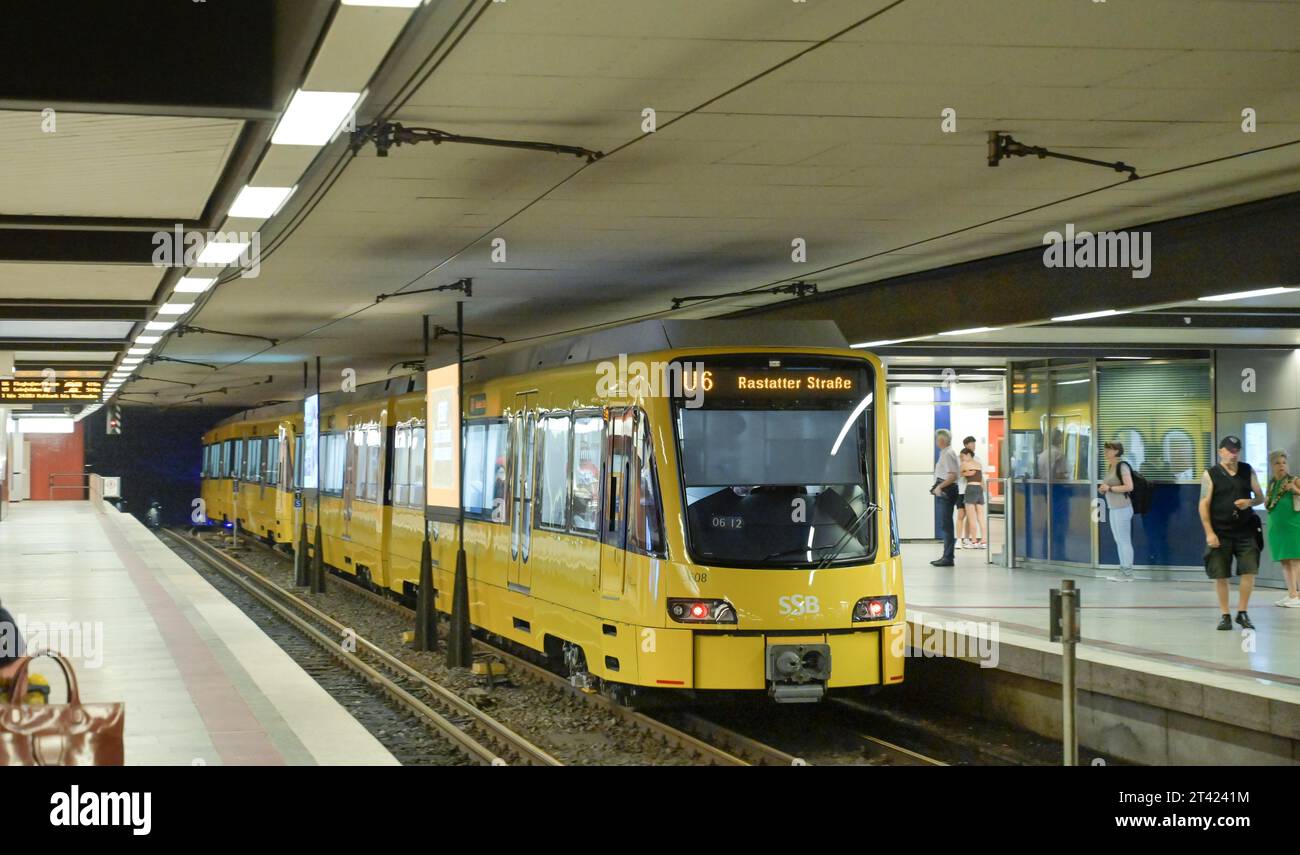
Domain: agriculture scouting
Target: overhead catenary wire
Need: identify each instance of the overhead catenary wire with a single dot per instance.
(397, 102)
(326, 186)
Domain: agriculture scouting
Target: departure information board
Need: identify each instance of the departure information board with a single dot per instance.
(34, 390)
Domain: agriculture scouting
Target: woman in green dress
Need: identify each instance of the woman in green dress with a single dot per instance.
(1284, 525)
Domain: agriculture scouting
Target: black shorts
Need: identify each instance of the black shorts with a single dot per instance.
(960, 500)
(1218, 562)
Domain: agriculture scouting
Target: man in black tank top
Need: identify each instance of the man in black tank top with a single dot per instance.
(1228, 492)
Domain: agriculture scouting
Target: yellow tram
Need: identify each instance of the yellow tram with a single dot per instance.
(686, 505)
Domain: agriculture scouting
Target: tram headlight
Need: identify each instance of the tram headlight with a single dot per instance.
(875, 608)
(701, 611)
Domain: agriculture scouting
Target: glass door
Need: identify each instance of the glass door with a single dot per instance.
(1027, 434)
(1071, 465)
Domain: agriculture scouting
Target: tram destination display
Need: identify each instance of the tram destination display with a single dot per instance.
(44, 390)
(730, 382)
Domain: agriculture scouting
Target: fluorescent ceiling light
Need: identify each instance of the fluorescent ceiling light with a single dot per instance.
(875, 343)
(394, 4)
(969, 331)
(219, 253)
(1072, 382)
(312, 118)
(1083, 316)
(138, 351)
(1243, 295)
(174, 308)
(160, 325)
(193, 285)
(130, 363)
(148, 339)
(260, 203)
(1126, 357)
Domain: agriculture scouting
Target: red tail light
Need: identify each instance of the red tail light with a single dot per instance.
(701, 611)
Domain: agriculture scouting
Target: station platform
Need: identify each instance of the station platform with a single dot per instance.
(202, 683)
(1158, 682)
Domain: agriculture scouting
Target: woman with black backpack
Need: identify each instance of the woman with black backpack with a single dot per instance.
(1119, 507)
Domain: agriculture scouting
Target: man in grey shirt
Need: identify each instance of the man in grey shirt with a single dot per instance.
(946, 473)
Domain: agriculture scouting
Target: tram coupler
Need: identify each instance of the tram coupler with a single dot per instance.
(797, 673)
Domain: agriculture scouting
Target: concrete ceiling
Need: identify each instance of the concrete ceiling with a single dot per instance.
(818, 121)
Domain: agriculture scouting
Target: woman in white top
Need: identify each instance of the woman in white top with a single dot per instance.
(1119, 507)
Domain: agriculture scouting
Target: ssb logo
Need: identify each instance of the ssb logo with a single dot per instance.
(798, 604)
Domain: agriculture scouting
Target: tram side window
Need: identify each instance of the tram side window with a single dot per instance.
(339, 462)
(476, 502)
(553, 478)
(374, 464)
(645, 526)
(485, 469)
(333, 456)
(274, 476)
(359, 459)
(587, 440)
(237, 467)
(226, 452)
(417, 467)
(296, 464)
(252, 459)
(401, 465)
(498, 454)
(325, 452)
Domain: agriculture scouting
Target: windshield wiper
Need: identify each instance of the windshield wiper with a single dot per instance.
(795, 551)
(838, 545)
(849, 532)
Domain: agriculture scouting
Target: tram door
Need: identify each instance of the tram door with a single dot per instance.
(523, 427)
(618, 473)
(351, 440)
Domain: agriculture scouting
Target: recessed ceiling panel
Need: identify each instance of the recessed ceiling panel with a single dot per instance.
(65, 329)
(78, 281)
(55, 356)
(91, 165)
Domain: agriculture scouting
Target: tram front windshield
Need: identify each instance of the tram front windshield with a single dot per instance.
(777, 464)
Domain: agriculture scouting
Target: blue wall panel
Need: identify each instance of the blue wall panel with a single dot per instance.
(1072, 523)
(1031, 520)
(942, 419)
(1168, 535)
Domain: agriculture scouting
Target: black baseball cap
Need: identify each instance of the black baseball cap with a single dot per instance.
(1231, 443)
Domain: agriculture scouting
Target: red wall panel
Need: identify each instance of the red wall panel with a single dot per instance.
(59, 454)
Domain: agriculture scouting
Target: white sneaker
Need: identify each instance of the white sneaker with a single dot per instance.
(1282, 602)
(981, 545)
(1291, 602)
(958, 545)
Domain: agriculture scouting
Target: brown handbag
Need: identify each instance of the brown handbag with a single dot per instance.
(74, 734)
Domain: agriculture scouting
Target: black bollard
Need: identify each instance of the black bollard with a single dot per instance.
(460, 653)
(426, 615)
(318, 565)
(300, 556)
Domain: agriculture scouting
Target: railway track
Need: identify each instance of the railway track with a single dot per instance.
(709, 741)
(476, 734)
